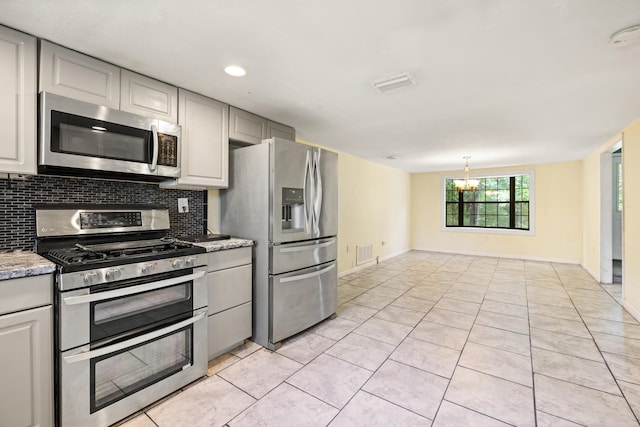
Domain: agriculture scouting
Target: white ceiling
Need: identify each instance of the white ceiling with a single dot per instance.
(507, 82)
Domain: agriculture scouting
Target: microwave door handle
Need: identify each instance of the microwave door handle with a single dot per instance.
(117, 293)
(154, 160)
(86, 355)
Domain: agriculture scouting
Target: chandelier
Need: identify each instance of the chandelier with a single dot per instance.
(466, 183)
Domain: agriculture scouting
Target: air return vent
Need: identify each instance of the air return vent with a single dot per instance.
(364, 253)
(394, 82)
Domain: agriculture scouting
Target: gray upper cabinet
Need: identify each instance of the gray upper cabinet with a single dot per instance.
(249, 128)
(74, 75)
(148, 97)
(246, 127)
(17, 102)
(277, 130)
(205, 143)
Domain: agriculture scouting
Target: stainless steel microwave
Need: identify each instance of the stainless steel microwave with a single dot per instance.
(82, 139)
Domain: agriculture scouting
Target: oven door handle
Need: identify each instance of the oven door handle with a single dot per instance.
(85, 355)
(117, 293)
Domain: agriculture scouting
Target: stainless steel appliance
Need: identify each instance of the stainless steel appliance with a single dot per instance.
(284, 196)
(78, 138)
(130, 309)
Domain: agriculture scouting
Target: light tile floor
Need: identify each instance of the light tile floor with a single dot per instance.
(432, 339)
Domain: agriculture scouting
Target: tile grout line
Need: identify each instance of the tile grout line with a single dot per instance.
(458, 360)
(597, 347)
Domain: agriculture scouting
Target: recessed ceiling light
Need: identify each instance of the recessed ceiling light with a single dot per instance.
(625, 36)
(235, 70)
(394, 82)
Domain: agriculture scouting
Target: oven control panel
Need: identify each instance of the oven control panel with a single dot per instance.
(82, 279)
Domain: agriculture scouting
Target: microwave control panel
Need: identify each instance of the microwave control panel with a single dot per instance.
(167, 150)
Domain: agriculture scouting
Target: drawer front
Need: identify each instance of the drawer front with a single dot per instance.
(294, 256)
(229, 258)
(229, 288)
(228, 328)
(300, 299)
(25, 292)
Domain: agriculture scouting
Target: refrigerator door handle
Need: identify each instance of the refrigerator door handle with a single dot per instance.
(305, 198)
(317, 203)
(308, 247)
(308, 275)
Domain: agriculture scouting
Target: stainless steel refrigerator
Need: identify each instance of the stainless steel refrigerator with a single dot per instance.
(284, 196)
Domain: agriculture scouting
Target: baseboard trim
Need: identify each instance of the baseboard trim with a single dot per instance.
(369, 264)
(472, 253)
(499, 255)
(631, 310)
(591, 272)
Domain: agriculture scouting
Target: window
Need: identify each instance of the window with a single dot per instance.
(498, 202)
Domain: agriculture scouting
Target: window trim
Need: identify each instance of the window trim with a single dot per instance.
(486, 230)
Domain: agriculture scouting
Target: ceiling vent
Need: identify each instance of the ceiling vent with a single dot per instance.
(394, 82)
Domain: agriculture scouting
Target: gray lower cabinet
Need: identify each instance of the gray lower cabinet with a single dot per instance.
(230, 294)
(26, 358)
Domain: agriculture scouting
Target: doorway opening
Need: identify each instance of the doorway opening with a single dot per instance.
(616, 212)
(611, 185)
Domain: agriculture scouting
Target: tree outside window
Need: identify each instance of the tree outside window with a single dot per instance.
(498, 202)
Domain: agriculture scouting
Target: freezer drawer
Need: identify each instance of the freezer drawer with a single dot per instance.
(301, 299)
(294, 256)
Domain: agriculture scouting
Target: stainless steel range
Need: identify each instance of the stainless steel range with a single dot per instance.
(130, 309)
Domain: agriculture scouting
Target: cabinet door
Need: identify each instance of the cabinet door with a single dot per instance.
(74, 75)
(277, 130)
(17, 102)
(228, 329)
(205, 142)
(246, 127)
(26, 362)
(147, 97)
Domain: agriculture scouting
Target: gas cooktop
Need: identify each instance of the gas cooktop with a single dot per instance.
(112, 253)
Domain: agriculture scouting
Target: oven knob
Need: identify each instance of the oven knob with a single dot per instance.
(146, 269)
(177, 263)
(90, 278)
(113, 274)
(191, 261)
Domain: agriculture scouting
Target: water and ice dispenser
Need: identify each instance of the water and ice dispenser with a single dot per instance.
(292, 209)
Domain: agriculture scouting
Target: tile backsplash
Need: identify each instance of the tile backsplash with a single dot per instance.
(17, 198)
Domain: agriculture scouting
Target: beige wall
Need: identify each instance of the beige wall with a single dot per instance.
(558, 217)
(631, 212)
(374, 207)
(591, 198)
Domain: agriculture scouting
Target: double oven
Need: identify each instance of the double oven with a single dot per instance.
(130, 309)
